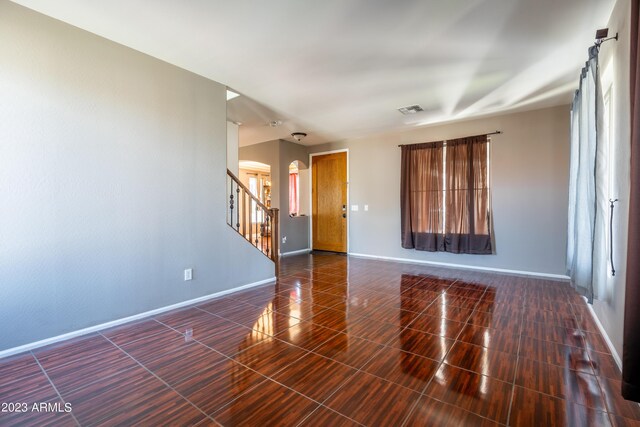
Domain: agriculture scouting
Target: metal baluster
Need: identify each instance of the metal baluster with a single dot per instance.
(269, 233)
(244, 215)
(231, 205)
(256, 227)
(238, 210)
(275, 253)
(247, 218)
(262, 230)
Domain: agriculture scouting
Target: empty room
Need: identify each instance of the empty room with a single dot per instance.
(320, 213)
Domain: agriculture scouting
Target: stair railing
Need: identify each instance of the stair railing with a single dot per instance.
(257, 223)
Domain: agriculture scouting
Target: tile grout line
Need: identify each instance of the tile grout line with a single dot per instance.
(175, 351)
(515, 371)
(359, 370)
(53, 385)
(320, 404)
(144, 336)
(269, 335)
(368, 361)
(456, 340)
(62, 344)
(363, 365)
(87, 384)
(585, 349)
(270, 378)
(339, 331)
(229, 358)
(441, 362)
(610, 414)
(338, 388)
(219, 352)
(552, 364)
(157, 377)
(328, 409)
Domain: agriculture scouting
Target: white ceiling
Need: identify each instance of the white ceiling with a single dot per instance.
(339, 68)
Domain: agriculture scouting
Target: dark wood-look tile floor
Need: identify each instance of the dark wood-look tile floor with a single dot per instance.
(338, 341)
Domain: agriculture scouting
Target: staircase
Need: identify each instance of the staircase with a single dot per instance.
(254, 221)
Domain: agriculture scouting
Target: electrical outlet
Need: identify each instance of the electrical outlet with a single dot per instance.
(366, 207)
(188, 274)
(284, 239)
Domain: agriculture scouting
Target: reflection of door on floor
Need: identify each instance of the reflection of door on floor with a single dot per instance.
(329, 202)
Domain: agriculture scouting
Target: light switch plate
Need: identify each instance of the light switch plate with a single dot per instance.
(354, 208)
(366, 207)
(188, 274)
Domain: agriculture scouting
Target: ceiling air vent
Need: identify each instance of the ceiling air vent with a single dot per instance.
(411, 109)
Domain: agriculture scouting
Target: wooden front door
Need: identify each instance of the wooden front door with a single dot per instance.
(329, 202)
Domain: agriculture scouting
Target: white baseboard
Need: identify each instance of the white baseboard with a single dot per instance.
(102, 326)
(301, 251)
(612, 349)
(466, 267)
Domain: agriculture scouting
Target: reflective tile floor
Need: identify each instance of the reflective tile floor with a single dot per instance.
(339, 341)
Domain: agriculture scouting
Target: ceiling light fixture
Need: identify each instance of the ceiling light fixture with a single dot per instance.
(231, 95)
(298, 136)
(275, 123)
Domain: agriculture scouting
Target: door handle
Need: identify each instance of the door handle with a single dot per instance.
(344, 215)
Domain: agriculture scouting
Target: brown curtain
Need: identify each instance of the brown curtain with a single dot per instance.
(468, 222)
(467, 226)
(631, 343)
(421, 196)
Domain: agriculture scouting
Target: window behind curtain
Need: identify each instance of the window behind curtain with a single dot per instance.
(294, 189)
(445, 196)
(422, 196)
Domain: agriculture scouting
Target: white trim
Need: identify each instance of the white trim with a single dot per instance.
(95, 328)
(466, 267)
(612, 349)
(301, 251)
(321, 153)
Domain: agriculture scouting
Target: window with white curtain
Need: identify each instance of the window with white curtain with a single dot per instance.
(609, 141)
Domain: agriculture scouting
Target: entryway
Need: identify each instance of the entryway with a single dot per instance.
(329, 201)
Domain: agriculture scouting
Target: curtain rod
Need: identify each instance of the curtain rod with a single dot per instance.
(482, 134)
(600, 41)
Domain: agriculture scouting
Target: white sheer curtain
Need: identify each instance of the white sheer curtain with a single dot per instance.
(586, 246)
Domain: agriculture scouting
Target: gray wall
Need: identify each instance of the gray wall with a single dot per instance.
(529, 172)
(112, 181)
(232, 148)
(609, 307)
(279, 154)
